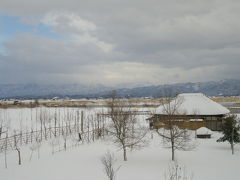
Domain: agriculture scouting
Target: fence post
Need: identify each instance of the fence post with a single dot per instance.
(82, 121)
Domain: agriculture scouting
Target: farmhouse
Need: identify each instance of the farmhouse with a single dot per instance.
(190, 111)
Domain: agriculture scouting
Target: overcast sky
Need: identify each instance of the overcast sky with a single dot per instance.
(115, 42)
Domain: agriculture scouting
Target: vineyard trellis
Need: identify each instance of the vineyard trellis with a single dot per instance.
(7, 143)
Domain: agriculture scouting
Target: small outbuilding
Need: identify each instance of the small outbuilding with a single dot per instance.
(203, 132)
(190, 111)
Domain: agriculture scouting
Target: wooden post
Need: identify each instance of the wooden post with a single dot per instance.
(78, 121)
(82, 121)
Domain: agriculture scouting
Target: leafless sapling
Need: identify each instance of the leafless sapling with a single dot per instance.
(177, 172)
(123, 127)
(108, 162)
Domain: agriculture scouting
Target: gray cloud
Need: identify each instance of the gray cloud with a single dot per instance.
(125, 42)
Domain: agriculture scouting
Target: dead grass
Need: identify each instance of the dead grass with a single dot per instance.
(135, 102)
(236, 105)
(226, 99)
(6, 106)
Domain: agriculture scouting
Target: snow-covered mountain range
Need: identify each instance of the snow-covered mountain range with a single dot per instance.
(213, 88)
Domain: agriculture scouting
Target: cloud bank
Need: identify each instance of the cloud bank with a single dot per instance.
(123, 42)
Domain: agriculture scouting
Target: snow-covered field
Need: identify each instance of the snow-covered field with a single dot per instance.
(27, 118)
(209, 161)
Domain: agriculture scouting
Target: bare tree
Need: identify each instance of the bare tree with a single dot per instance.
(126, 131)
(108, 161)
(178, 138)
(177, 172)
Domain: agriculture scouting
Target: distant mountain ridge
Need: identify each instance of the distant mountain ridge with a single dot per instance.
(230, 87)
(48, 91)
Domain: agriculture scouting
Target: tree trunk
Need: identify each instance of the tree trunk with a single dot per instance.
(65, 144)
(173, 153)
(232, 147)
(0, 131)
(79, 137)
(19, 156)
(124, 154)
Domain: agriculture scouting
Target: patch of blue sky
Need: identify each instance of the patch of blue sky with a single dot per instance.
(47, 31)
(10, 26)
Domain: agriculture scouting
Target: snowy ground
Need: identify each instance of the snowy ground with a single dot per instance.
(210, 160)
(26, 118)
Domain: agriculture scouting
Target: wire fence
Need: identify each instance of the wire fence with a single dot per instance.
(8, 143)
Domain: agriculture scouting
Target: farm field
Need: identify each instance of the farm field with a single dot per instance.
(82, 160)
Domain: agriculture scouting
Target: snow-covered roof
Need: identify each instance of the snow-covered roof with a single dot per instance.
(203, 130)
(192, 104)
